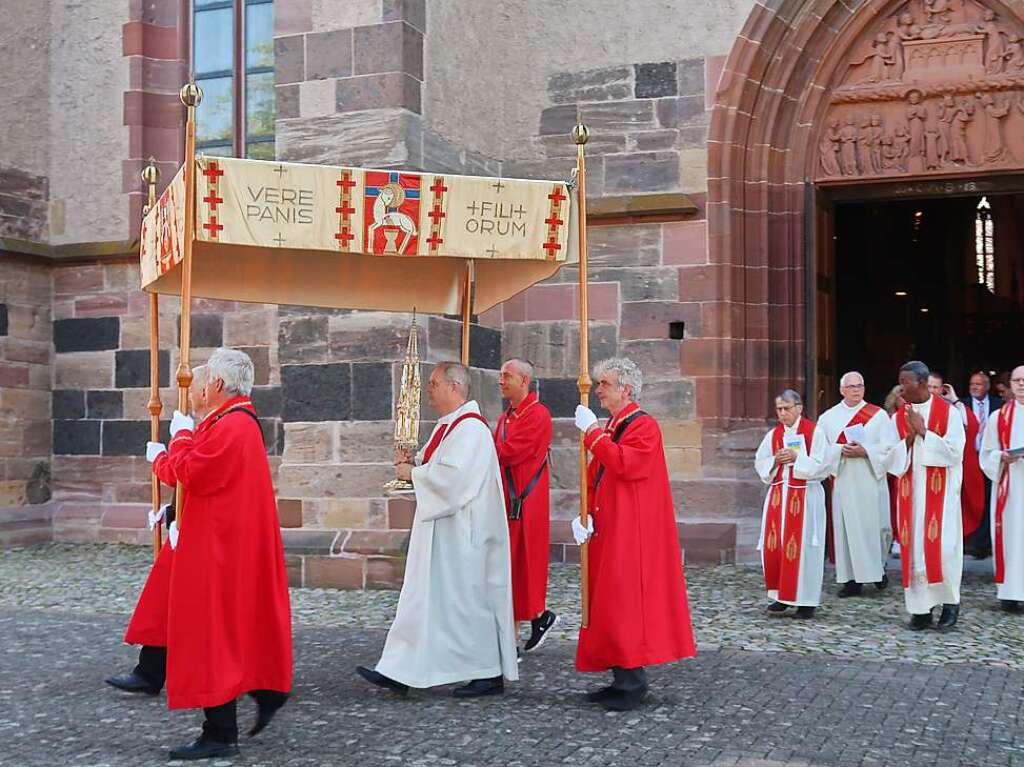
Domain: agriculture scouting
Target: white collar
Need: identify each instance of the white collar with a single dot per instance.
(469, 406)
(855, 408)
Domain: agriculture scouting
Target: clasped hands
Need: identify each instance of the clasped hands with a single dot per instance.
(854, 451)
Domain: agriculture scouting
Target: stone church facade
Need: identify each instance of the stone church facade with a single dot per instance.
(717, 131)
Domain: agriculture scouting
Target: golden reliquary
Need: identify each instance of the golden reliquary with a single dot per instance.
(407, 414)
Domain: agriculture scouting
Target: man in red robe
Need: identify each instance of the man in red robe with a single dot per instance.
(639, 614)
(148, 624)
(228, 618)
(522, 439)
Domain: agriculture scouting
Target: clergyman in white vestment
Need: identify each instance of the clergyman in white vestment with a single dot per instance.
(792, 461)
(928, 460)
(860, 436)
(454, 617)
(1004, 432)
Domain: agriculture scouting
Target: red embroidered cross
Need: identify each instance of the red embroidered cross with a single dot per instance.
(553, 221)
(557, 197)
(345, 208)
(344, 236)
(212, 171)
(214, 200)
(436, 214)
(345, 183)
(213, 227)
(438, 187)
(434, 241)
(551, 247)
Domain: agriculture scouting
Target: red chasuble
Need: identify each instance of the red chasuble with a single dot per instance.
(228, 621)
(972, 491)
(148, 624)
(639, 615)
(782, 557)
(1003, 431)
(522, 440)
(935, 496)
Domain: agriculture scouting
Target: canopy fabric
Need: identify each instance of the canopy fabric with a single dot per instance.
(313, 235)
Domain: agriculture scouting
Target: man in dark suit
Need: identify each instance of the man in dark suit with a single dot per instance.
(984, 404)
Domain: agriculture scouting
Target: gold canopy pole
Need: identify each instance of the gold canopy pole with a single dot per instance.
(191, 95)
(580, 134)
(151, 175)
(467, 309)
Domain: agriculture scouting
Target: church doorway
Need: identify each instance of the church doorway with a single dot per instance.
(935, 278)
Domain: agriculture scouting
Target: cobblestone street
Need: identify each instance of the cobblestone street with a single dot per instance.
(852, 687)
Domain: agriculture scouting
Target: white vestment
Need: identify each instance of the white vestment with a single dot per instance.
(920, 596)
(860, 495)
(812, 467)
(454, 616)
(1012, 586)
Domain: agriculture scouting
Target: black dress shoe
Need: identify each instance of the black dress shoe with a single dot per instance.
(850, 589)
(1010, 605)
(265, 710)
(805, 613)
(377, 678)
(949, 616)
(883, 584)
(777, 607)
(603, 694)
(920, 622)
(132, 682)
(480, 687)
(624, 700)
(201, 748)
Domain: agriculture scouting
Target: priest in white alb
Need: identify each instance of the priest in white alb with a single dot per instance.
(1001, 449)
(792, 460)
(928, 462)
(860, 436)
(454, 616)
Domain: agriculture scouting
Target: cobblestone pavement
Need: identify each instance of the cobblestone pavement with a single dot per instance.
(764, 692)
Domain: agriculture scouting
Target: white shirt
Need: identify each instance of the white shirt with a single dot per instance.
(980, 407)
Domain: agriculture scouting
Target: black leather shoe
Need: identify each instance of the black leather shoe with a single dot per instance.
(949, 616)
(805, 613)
(201, 748)
(920, 622)
(132, 682)
(265, 712)
(883, 584)
(777, 607)
(1010, 605)
(850, 589)
(377, 678)
(624, 700)
(480, 687)
(603, 694)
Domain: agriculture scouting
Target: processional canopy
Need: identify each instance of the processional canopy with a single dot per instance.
(314, 235)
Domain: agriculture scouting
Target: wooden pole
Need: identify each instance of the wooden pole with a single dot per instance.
(151, 175)
(191, 95)
(580, 134)
(467, 310)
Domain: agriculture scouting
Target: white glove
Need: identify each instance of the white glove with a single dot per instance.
(172, 534)
(181, 421)
(585, 417)
(153, 449)
(156, 516)
(579, 532)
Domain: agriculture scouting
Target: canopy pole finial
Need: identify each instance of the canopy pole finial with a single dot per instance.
(151, 176)
(580, 134)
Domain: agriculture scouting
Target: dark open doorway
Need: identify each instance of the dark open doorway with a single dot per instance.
(938, 279)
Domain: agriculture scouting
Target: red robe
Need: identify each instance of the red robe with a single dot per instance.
(639, 614)
(522, 440)
(148, 624)
(228, 619)
(972, 491)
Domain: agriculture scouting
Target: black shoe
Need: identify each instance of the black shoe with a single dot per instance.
(201, 748)
(481, 687)
(850, 589)
(132, 682)
(603, 694)
(519, 655)
(777, 607)
(949, 616)
(980, 553)
(377, 678)
(265, 711)
(1010, 605)
(883, 584)
(539, 628)
(805, 613)
(920, 622)
(624, 700)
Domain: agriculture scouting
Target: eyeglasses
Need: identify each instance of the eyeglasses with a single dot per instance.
(1017, 380)
(852, 386)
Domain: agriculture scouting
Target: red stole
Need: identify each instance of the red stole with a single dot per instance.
(935, 496)
(445, 430)
(782, 559)
(860, 418)
(1005, 429)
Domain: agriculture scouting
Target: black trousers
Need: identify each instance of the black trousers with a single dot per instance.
(221, 722)
(981, 539)
(629, 679)
(152, 665)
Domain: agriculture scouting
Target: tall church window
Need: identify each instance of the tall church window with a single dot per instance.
(984, 246)
(233, 62)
